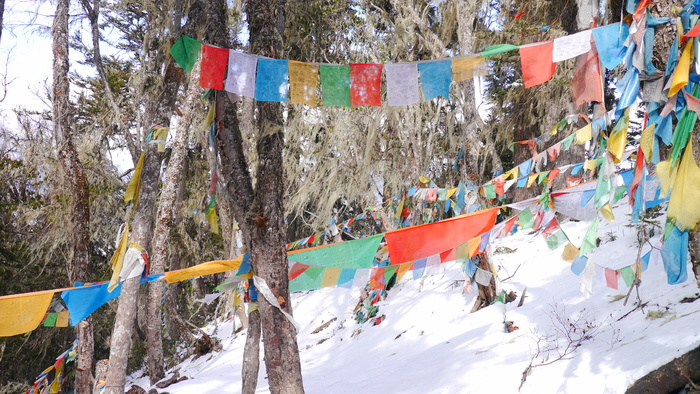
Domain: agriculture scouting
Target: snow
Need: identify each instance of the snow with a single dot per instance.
(430, 343)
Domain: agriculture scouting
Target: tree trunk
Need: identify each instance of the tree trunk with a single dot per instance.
(2, 13)
(251, 352)
(670, 377)
(694, 243)
(74, 173)
(161, 236)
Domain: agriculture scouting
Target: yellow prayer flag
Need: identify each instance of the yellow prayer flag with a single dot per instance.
(682, 73)
(513, 172)
(403, 268)
(647, 142)
(424, 179)
(606, 211)
(473, 245)
(683, 204)
(589, 164)
(468, 67)
(134, 188)
(531, 179)
(303, 83)
(616, 144)
(584, 135)
(330, 277)
(62, 319)
(117, 260)
(210, 116)
(208, 268)
(23, 313)
(679, 27)
(451, 192)
(666, 174)
(570, 252)
(213, 221)
(55, 387)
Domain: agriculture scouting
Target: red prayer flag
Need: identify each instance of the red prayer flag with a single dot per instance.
(536, 62)
(551, 228)
(297, 269)
(611, 278)
(419, 242)
(694, 32)
(509, 225)
(587, 84)
(365, 84)
(519, 15)
(214, 62)
(553, 174)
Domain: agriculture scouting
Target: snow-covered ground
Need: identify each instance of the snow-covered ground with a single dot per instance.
(430, 343)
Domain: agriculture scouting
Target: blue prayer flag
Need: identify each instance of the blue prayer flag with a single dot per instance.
(272, 80)
(435, 78)
(675, 256)
(610, 40)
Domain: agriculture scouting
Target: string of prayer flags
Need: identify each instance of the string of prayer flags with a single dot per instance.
(674, 255)
(402, 84)
(213, 73)
(240, 79)
(610, 43)
(435, 79)
(418, 242)
(185, 52)
(365, 84)
(303, 83)
(335, 85)
(22, 313)
(466, 68)
(272, 81)
(536, 62)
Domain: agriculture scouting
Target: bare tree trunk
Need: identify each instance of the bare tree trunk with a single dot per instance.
(694, 243)
(251, 352)
(2, 13)
(161, 236)
(670, 377)
(74, 173)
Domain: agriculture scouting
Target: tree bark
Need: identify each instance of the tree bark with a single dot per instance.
(251, 352)
(74, 173)
(694, 242)
(2, 13)
(670, 377)
(164, 222)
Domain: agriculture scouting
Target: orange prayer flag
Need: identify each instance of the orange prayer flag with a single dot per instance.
(536, 62)
(473, 246)
(303, 80)
(468, 67)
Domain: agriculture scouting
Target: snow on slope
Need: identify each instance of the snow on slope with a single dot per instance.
(430, 343)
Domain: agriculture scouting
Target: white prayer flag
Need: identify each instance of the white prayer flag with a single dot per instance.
(402, 84)
(240, 79)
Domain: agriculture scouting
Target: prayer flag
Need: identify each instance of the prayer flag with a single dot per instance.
(330, 277)
(466, 68)
(587, 83)
(435, 79)
(571, 46)
(402, 84)
(241, 74)
(272, 80)
(213, 67)
(525, 219)
(335, 85)
(50, 320)
(365, 84)
(208, 268)
(346, 278)
(570, 252)
(185, 52)
(419, 242)
(303, 83)
(685, 194)
(627, 275)
(62, 319)
(584, 134)
(22, 313)
(350, 254)
(610, 43)
(682, 73)
(590, 239)
(579, 265)
(498, 49)
(536, 62)
(611, 278)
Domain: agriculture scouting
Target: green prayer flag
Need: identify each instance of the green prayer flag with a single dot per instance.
(308, 280)
(335, 85)
(351, 254)
(566, 142)
(628, 275)
(542, 177)
(668, 229)
(498, 49)
(389, 272)
(526, 219)
(619, 193)
(212, 204)
(589, 241)
(603, 187)
(490, 191)
(556, 240)
(685, 126)
(50, 320)
(185, 52)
